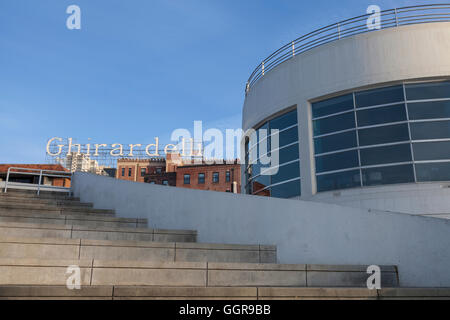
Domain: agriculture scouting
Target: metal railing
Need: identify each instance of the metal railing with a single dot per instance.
(36, 172)
(389, 18)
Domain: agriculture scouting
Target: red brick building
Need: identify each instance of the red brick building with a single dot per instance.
(34, 178)
(215, 177)
(148, 170)
(173, 171)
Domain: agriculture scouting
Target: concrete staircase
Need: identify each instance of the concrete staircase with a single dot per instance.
(40, 236)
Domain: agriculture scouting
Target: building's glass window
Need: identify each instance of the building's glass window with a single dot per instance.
(336, 161)
(165, 182)
(215, 177)
(281, 179)
(339, 180)
(387, 154)
(143, 171)
(388, 175)
(187, 179)
(429, 110)
(201, 178)
(227, 176)
(129, 172)
(334, 123)
(384, 134)
(370, 117)
(332, 106)
(394, 138)
(430, 130)
(158, 170)
(430, 90)
(123, 172)
(439, 171)
(379, 96)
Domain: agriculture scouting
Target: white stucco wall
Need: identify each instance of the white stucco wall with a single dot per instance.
(366, 60)
(304, 231)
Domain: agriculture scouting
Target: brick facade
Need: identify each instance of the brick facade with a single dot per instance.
(171, 171)
(223, 184)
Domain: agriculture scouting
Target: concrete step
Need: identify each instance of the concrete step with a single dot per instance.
(219, 293)
(40, 208)
(72, 219)
(72, 249)
(33, 194)
(191, 274)
(50, 202)
(68, 231)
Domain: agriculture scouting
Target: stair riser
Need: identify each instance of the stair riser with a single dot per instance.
(33, 195)
(222, 293)
(56, 210)
(156, 236)
(183, 274)
(62, 220)
(49, 202)
(164, 253)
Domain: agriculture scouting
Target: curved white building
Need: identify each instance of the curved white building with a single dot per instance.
(363, 117)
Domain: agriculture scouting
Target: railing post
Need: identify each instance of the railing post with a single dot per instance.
(339, 30)
(293, 48)
(262, 69)
(39, 184)
(396, 17)
(7, 178)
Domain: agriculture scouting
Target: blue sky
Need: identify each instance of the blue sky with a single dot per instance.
(138, 69)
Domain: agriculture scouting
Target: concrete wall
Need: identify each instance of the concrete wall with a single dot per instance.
(431, 199)
(371, 59)
(304, 231)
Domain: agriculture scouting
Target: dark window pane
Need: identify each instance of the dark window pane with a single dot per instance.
(227, 176)
(333, 105)
(286, 172)
(430, 130)
(345, 140)
(431, 150)
(388, 154)
(336, 161)
(432, 90)
(260, 182)
(385, 134)
(340, 180)
(388, 175)
(286, 190)
(285, 137)
(201, 178)
(284, 121)
(429, 110)
(288, 154)
(332, 124)
(187, 179)
(388, 114)
(433, 171)
(379, 96)
(215, 177)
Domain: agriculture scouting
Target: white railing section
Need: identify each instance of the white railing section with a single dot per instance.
(389, 19)
(41, 173)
